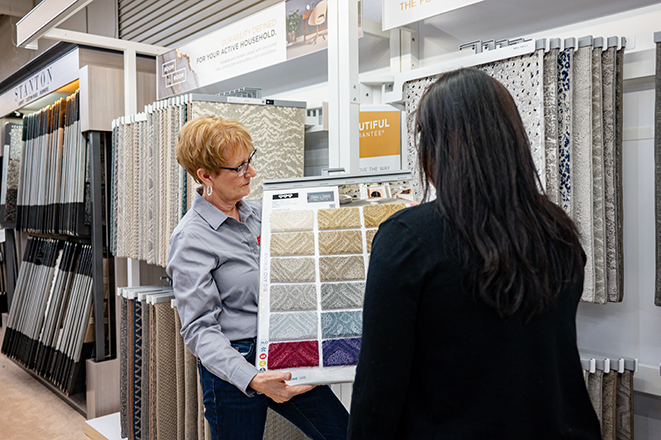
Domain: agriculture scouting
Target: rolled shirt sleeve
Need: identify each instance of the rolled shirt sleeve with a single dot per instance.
(214, 266)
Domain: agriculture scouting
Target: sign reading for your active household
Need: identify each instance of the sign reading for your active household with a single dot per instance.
(380, 144)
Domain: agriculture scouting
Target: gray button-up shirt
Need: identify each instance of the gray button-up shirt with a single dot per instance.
(214, 266)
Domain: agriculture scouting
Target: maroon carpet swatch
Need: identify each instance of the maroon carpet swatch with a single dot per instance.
(293, 355)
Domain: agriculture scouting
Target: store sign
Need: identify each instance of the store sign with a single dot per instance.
(50, 78)
(249, 44)
(380, 140)
(398, 13)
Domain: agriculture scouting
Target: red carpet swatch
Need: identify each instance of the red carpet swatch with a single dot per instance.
(293, 355)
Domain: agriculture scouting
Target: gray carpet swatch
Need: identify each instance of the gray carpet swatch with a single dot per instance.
(341, 324)
(609, 406)
(595, 390)
(582, 204)
(294, 326)
(551, 124)
(342, 295)
(293, 297)
(610, 209)
(625, 406)
(619, 218)
(598, 220)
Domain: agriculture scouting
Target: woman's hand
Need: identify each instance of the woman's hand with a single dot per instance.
(272, 384)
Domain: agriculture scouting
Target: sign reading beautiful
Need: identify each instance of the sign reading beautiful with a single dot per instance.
(398, 13)
(380, 147)
(249, 44)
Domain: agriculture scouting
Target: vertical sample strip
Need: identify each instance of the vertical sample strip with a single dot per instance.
(293, 297)
(293, 355)
(598, 220)
(551, 123)
(338, 352)
(582, 175)
(657, 174)
(565, 77)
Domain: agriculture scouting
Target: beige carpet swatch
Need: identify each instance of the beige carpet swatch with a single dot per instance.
(339, 218)
(376, 214)
(341, 268)
(369, 237)
(165, 393)
(287, 221)
(292, 243)
(609, 406)
(285, 270)
(595, 388)
(340, 242)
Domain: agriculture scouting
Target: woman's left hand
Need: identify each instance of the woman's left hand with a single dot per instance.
(273, 385)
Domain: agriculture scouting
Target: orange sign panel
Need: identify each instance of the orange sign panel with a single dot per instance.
(379, 134)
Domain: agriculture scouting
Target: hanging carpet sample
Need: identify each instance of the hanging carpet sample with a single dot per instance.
(625, 408)
(595, 389)
(610, 208)
(551, 121)
(123, 368)
(277, 132)
(50, 313)
(582, 175)
(609, 406)
(565, 106)
(657, 171)
(165, 392)
(598, 216)
(11, 166)
(619, 117)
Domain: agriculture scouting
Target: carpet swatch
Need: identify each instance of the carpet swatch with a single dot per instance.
(123, 368)
(598, 220)
(551, 124)
(340, 242)
(625, 405)
(565, 76)
(285, 270)
(341, 324)
(286, 221)
(293, 355)
(595, 389)
(337, 352)
(292, 326)
(376, 214)
(293, 297)
(619, 118)
(165, 392)
(341, 268)
(342, 295)
(292, 243)
(338, 218)
(609, 406)
(582, 203)
(369, 237)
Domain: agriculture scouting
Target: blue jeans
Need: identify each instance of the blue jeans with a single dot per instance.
(233, 415)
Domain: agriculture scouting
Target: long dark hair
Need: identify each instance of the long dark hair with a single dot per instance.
(517, 248)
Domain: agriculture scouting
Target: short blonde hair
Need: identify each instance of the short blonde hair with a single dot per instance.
(207, 142)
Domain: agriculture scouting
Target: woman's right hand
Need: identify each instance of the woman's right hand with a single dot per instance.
(273, 385)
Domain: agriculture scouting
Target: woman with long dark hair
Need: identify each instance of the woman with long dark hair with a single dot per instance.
(469, 327)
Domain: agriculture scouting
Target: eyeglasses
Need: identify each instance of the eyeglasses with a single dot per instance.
(243, 168)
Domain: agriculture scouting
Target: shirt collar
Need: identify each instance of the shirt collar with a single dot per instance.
(214, 216)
